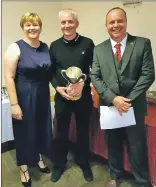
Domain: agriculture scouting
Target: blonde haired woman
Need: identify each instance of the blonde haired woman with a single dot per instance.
(27, 67)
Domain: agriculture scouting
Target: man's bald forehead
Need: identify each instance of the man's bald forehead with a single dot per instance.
(116, 8)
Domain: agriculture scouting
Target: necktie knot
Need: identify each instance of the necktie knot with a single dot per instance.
(117, 46)
(118, 52)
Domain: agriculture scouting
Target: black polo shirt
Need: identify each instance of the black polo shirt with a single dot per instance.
(64, 54)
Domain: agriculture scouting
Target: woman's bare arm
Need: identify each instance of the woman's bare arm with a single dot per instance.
(10, 64)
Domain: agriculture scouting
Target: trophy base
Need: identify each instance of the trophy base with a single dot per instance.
(75, 98)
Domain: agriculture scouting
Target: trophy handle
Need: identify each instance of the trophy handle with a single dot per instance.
(83, 76)
(63, 73)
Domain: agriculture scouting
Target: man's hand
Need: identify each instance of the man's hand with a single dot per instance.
(121, 104)
(62, 92)
(76, 89)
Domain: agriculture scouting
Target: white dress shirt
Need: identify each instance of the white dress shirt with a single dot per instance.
(123, 45)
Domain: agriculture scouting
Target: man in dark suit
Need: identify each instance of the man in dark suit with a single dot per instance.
(121, 74)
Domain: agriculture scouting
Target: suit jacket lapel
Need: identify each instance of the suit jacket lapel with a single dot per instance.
(128, 51)
(109, 57)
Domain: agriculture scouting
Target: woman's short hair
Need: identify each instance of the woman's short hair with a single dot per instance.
(69, 11)
(32, 17)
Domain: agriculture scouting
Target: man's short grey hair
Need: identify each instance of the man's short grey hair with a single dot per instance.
(69, 11)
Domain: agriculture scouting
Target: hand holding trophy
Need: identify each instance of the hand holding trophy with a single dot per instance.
(75, 77)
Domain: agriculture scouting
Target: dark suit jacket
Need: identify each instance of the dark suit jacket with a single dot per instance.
(137, 72)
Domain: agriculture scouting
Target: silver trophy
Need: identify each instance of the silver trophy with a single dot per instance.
(73, 75)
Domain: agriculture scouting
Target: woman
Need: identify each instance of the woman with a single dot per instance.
(27, 69)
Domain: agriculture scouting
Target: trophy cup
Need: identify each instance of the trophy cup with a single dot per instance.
(73, 75)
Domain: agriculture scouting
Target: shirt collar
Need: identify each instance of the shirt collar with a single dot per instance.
(123, 42)
(73, 40)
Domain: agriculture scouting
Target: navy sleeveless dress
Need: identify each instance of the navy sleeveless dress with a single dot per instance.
(33, 134)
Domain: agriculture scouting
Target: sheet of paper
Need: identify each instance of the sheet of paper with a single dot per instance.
(111, 119)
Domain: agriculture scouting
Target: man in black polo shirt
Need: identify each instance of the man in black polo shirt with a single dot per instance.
(71, 50)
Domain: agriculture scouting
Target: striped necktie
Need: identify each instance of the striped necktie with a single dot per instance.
(118, 52)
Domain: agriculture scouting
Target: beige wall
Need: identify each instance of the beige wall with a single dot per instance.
(91, 17)
(92, 20)
(11, 14)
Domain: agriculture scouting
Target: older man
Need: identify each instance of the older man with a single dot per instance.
(122, 71)
(71, 50)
